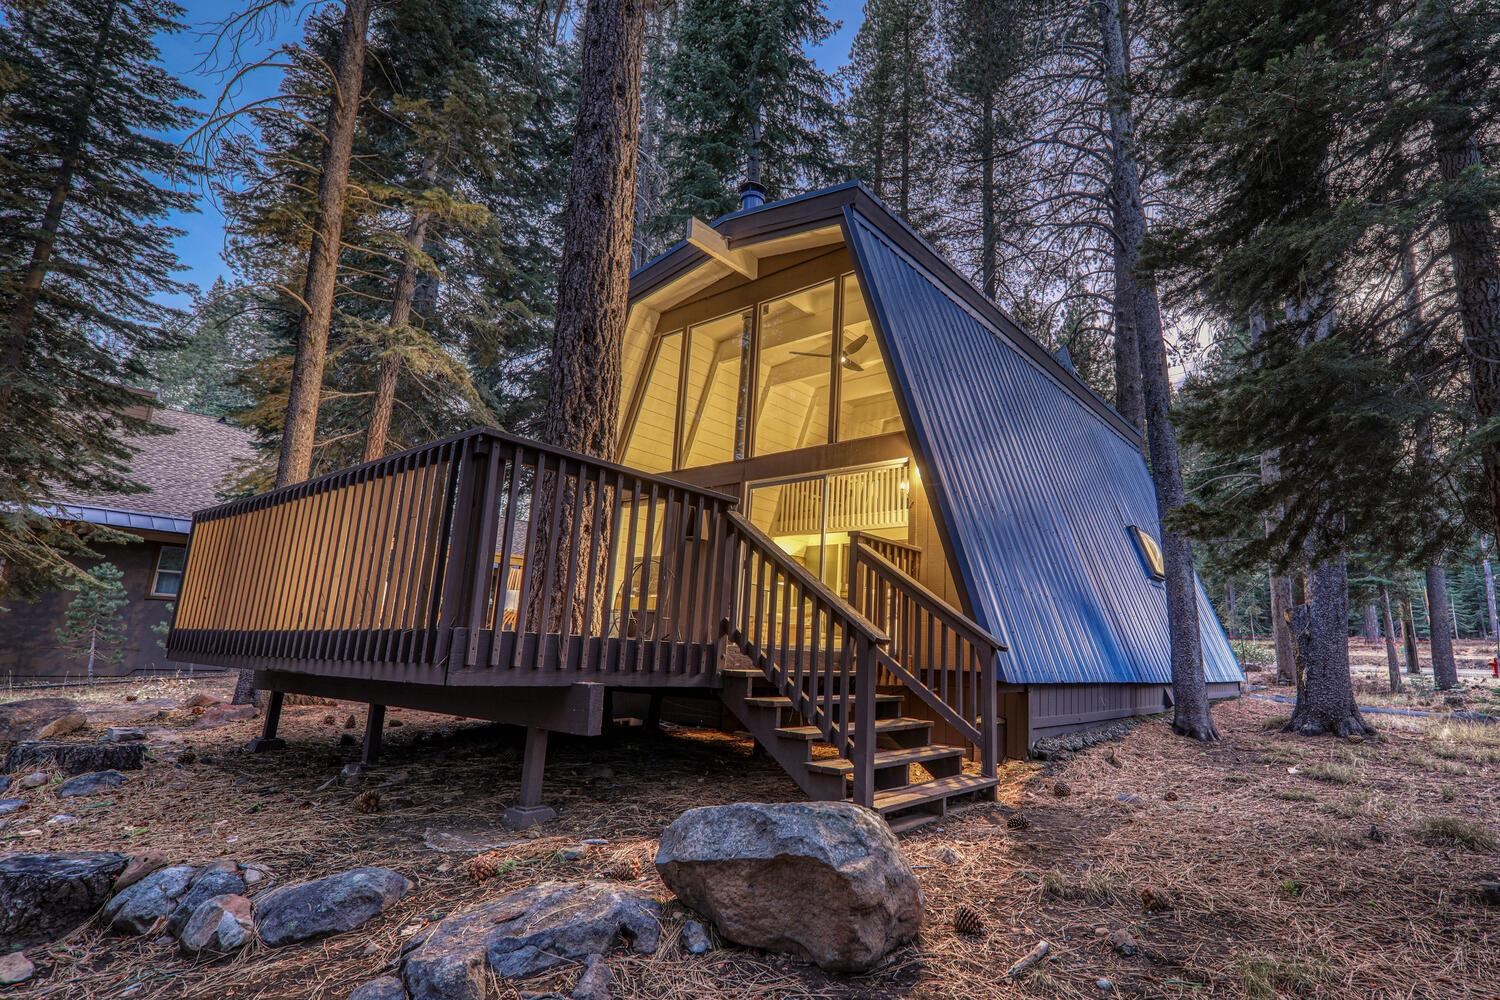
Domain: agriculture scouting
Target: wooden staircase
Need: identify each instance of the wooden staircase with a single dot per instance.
(825, 690)
(916, 779)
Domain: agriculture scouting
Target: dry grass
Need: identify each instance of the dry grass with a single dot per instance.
(1249, 882)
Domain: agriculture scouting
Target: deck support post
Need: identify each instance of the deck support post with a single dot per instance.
(374, 725)
(653, 715)
(267, 741)
(530, 811)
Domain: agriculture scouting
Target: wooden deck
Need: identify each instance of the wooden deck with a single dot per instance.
(446, 575)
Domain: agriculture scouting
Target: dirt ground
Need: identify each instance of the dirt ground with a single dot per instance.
(1261, 866)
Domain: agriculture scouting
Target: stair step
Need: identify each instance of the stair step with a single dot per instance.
(889, 758)
(930, 791)
(881, 726)
(781, 701)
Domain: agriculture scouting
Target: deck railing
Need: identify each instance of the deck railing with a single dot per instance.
(478, 554)
(811, 645)
(935, 651)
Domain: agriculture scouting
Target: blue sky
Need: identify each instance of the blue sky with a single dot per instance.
(189, 54)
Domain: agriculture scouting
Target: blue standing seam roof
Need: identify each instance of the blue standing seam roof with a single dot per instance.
(1037, 491)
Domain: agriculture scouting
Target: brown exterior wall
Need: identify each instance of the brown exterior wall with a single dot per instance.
(28, 631)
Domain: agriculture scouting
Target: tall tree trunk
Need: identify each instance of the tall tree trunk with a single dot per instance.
(1473, 247)
(1325, 693)
(401, 299)
(299, 433)
(988, 235)
(593, 286)
(1124, 191)
(1191, 715)
(1392, 658)
(1281, 629)
(23, 311)
(300, 428)
(1444, 669)
(1372, 623)
(1489, 589)
(1409, 637)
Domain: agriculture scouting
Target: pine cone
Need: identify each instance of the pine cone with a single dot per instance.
(1061, 789)
(367, 802)
(350, 722)
(328, 719)
(486, 865)
(626, 868)
(1018, 822)
(967, 921)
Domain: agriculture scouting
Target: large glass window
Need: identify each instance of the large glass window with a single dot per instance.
(713, 404)
(795, 370)
(650, 445)
(867, 404)
(167, 580)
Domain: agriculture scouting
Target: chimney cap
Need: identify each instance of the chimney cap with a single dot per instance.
(752, 195)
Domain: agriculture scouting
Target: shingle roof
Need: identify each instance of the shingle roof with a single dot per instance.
(182, 471)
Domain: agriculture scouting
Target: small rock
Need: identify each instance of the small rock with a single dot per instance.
(475, 841)
(384, 988)
(1130, 799)
(36, 779)
(695, 938)
(573, 853)
(218, 878)
(8, 806)
(222, 715)
(137, 908)
(62, 819)
(139, 867)
(252, 875)
(200, 700)
(124, 734)
(1104, 984)
(596, 842)
(1489, 889)
(325, 906)
(219, 924)
(1061, 789)
(1122, 942)
(15, 968)
(596, 983)
(70, 723)
(90, 784)
(948, 855)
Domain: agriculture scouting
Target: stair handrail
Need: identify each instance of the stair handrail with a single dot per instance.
(752, 624)
(983, 703)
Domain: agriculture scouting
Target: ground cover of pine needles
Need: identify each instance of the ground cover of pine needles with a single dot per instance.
(1238, 869)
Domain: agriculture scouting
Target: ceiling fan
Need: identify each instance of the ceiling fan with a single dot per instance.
(845, 356)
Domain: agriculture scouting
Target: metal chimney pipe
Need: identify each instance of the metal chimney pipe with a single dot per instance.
(752, 195)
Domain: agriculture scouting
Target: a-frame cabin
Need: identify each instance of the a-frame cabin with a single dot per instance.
(855, 507)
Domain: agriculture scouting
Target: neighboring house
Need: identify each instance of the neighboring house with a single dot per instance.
(183, 472)
(855, 506)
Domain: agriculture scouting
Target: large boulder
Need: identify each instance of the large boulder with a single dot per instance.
(384, 988)
(22, 720)
(526, 932)
(45, 895)
(76, 758)
(222, 924)
(169, 896)
(327, 906)
(822, 880)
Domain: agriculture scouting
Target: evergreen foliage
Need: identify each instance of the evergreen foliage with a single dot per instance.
(199, 365)
(93, 627)
(743, 100)
(86, 182)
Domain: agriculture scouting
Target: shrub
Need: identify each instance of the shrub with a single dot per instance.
(1455, 831)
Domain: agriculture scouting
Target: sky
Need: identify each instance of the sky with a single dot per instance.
(190, 55)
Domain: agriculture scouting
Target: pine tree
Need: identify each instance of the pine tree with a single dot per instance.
(198, 365)
(93, 627)
(744, 101)
(895, 126)
(86, 182)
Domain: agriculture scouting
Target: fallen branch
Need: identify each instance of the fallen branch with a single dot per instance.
(1032, 957)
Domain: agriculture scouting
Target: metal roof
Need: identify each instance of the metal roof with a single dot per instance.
(1036, 489)
(126, 519)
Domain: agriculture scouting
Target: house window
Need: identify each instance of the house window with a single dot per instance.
(1150, 552)
(867, 404)
(794, 373)
(649, 446)
(166, 582)
(714, 389)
